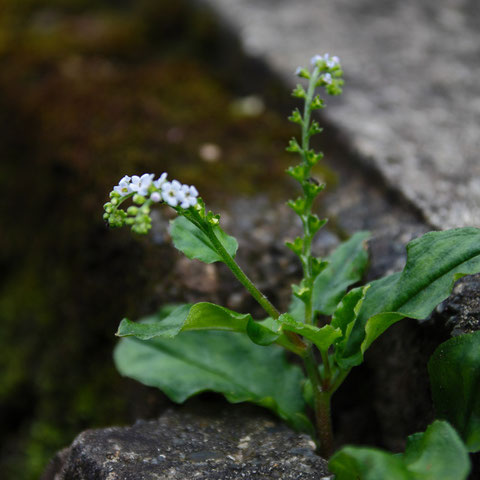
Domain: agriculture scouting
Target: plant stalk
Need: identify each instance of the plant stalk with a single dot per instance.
(324, 423)
(253, 290)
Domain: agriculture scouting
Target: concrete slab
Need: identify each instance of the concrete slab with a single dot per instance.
(411, 104)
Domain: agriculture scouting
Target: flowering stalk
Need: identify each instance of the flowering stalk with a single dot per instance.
(326, 73)
(145, 191)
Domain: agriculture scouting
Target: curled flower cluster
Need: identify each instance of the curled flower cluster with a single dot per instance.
(144, 191)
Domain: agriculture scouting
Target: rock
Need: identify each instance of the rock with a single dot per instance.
(410, 107)
(461, 311)
(217, 442)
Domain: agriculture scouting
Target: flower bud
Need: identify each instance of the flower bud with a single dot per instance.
(138, 199)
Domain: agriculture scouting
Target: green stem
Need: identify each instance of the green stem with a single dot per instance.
(327, 370)
(298, 343)
(307, 112)
(324, 423)
(321, 405)
(241, 276)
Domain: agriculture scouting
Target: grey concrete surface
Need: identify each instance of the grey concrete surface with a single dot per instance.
(411, 103)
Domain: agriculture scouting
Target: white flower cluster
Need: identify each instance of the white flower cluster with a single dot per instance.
(323, 61)
(331, 62)
(174, 193)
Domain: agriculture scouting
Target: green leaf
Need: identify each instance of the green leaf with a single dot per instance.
(345, 316)
(264, 332)
(346, 266)
(356, 463)
(205, 316)
(434, 261)
(321, 337)
(201, 316)
(195, 244)
(224, 362)
(454, 371)
(348, 308)
(436, 454)
(297, 309)
(166, 323)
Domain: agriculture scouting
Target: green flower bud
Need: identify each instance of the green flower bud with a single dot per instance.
(138, 199)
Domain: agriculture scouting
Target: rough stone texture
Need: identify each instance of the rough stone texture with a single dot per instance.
(237, 442)
(411, 103)
(461, 311)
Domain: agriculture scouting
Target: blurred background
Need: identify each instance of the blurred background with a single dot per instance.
(91, 90)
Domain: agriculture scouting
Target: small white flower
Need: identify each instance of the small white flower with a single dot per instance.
(123, 188)
(327, 78)
(315, 59)
(190, 193)
(331, 62)
(298, 71)
(172, 193)
(155, 197)
(161, 180)
(141, 184)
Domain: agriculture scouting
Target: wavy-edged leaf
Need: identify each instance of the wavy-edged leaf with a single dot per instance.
(190, 240)
(321, 337)
(201, 316)
(434, 262)
(223, 362)
(348, 308)
(454, 370)
(346, 266)
(206, 316)
(436, 454)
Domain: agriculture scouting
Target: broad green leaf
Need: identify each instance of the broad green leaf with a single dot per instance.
(345, 267)
(321, 337)
(434, 262)
(436, 454)
(201, 316)
(206, 316)
(190, 240)
(224, 362)
(454, 371)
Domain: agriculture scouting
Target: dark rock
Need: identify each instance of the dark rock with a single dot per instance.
(233, 442)
(461, 311)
